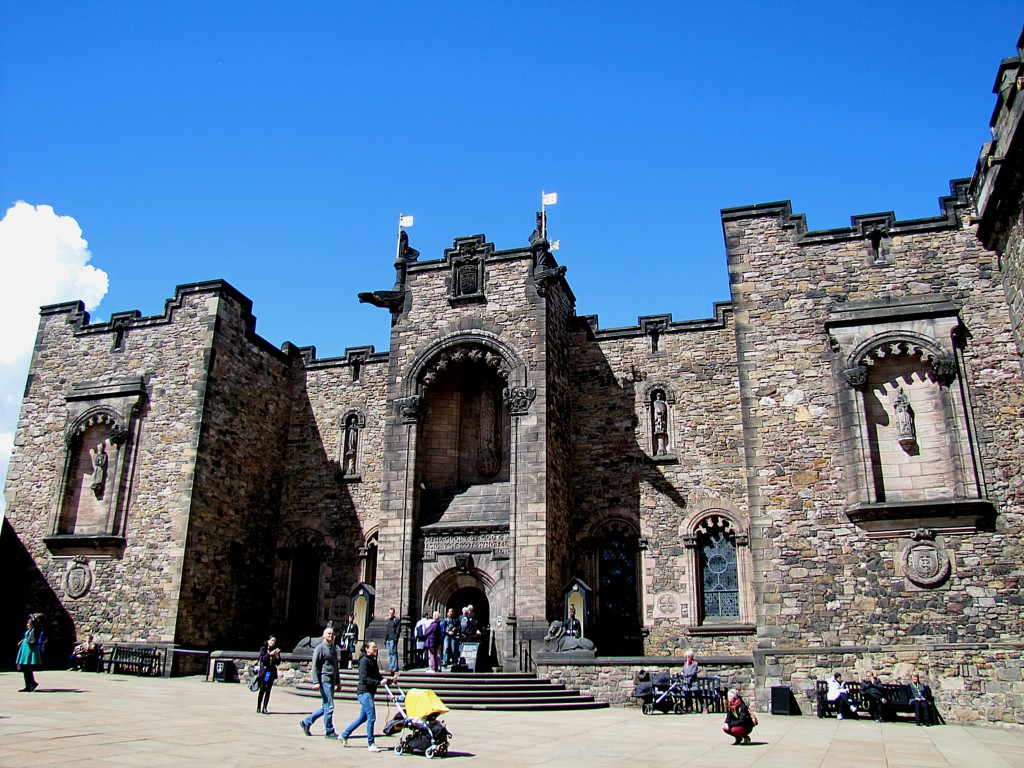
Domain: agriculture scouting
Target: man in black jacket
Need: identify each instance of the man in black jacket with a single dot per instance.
(392, 631)
(873, 694)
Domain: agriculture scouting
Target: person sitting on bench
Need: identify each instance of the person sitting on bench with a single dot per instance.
(873, 694)
(840, 697)
(920, 698)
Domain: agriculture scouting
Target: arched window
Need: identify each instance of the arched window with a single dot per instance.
(718, 570)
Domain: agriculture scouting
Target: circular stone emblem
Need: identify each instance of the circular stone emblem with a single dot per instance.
(925, 564)
(78, 581)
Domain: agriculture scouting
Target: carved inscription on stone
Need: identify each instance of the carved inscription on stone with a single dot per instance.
(495, 542)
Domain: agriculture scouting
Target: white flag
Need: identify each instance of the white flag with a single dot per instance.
(555, 245)
(405, 221)
(549, 198)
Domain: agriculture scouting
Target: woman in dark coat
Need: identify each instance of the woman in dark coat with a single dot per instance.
(30, 651)
(433, 636)
(270, 657)
(739, 720)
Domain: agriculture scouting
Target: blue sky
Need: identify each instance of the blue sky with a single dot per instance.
(274, 144)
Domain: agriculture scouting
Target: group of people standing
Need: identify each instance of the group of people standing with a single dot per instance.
(439, 639)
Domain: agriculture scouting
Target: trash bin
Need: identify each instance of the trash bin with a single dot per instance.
(783, 701)
(224, 671)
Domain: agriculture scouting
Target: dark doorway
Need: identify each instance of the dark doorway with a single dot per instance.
(304, 595)
(618, 630)
(471, 596)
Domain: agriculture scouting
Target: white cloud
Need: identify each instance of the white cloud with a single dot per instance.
(43, 260)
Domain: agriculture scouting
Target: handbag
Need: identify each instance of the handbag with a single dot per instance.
(254, 683)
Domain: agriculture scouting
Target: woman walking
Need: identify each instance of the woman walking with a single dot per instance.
(30, 651)
(270, 657)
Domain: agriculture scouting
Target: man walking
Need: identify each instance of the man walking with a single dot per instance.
(325, 675)
(369, 679)
(392, 629)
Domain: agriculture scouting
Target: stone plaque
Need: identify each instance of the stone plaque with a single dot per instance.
(78, 580)
(668, 605)
(926, 564)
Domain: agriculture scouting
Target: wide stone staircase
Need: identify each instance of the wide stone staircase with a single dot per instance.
(506, 691)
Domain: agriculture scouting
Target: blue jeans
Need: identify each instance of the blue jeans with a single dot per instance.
(451, 649)
(367, 714)
(326, 707)
(392, 654)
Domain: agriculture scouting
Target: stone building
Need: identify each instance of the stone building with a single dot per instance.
(824, 475)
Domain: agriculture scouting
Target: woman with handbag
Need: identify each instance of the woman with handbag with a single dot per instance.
(739, 720)
(266, 673)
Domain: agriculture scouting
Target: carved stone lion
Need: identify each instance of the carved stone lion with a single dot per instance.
(556, 641)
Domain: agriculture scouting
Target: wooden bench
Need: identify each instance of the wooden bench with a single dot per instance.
(897, 701)
(135, 660)
(709, 694)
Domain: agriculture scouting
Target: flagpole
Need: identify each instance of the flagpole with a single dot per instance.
(398, 245)
(543, 218)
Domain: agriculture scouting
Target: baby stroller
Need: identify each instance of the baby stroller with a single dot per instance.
(426, 734)
(661, 692)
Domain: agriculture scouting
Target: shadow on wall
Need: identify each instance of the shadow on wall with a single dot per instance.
(26, 590)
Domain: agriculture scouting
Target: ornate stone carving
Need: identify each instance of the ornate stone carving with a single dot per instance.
(857, 376)
(463, 562)
(926, 564)
(78, 579)
(412, 409)
(667, 605)
(944, 369)
(118, 435)
(519, 399)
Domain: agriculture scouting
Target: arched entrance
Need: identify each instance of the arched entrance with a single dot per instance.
(474, 596)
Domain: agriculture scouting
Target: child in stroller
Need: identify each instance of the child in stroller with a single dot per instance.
(426, 734)
(660, 692)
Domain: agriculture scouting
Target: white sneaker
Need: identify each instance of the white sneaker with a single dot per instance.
(839, 717)
(374, 748)
(853, 708)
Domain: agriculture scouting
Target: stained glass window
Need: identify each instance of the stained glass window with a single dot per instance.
(719, 575)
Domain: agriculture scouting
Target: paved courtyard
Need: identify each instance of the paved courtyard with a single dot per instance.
(80, 719)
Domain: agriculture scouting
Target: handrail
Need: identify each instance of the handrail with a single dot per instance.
(526, 662)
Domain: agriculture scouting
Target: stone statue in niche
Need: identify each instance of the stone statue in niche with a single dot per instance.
(98, 478)
(348, 465)
(904, 419)
(659, 418)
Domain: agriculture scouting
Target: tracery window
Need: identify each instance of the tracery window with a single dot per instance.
(719, 569)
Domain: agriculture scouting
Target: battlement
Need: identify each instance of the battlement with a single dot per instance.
(862, 225)
(997, 182)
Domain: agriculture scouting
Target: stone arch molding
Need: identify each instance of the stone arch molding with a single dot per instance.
(902, 343)
(477, 346)
(615, 523)
(716, 513)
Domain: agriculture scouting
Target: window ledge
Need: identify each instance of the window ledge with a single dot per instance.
(70, 544)
(722, 629)
(902, 518)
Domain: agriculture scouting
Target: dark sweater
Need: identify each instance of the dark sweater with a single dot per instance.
(369, 675)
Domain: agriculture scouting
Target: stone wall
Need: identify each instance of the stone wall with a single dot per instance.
(233, 524)
(122, 592)
(343, 510)
(613, 680)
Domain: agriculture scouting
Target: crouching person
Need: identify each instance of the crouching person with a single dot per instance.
(739, 720)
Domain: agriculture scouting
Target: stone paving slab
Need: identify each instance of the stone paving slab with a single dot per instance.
(81, 719)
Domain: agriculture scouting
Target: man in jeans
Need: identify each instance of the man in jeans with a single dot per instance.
(369, 679)
(325, 675)
(392, 629)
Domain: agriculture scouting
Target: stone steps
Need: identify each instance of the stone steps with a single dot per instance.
(489, 691)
